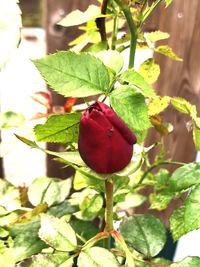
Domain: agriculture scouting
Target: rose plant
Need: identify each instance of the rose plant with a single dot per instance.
(48, 224)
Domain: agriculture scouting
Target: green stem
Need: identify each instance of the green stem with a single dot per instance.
(133, 31)
(109, 211)
(129, 256)
(155, 166)
(114, 33)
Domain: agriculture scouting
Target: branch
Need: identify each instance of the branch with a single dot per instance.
(100, 22)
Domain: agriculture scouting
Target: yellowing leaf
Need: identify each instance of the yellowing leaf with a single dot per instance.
(157, 36)
(149, 70)
(181, 105)
(168, 2)
(196, 137)
(167, 51)
(162, 127)
(157, 105)
(78, 17)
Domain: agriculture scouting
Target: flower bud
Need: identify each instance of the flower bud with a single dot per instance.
(105, 141)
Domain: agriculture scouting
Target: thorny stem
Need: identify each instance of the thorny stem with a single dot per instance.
(109, 211)
(133, 31)
(100, 22)
(155, 166)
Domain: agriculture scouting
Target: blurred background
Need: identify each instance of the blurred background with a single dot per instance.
(40, 35)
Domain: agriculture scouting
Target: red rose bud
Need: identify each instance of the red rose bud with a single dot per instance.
(105, 141)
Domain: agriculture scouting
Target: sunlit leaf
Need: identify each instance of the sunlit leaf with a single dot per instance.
(77, 17)
(167, 51)
(187, 262)
(48, 190)
(181, 105)
(160, 200)
(90, 203)
(185, 177)
(111, 59)
(97, 256)
(135, 79)
(57, 233)
(62, 128)
(9, 196)
(131, 107)
(149, 70)
(74, 75)
(48, 259)
(158, 104)
(157, 36)
(196, 137)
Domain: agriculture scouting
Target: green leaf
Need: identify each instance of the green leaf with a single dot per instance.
(192, 210)
(186, 218)
(9, 196)
(181, 105)
(72, 157)
(42, 260)
(161, 200)
(3, 233)
(31, 214)
(97, 257)
(57, 233)
(167, 51)
(85, 230)
(97, 47)
(82, 180)
(90, 35)
(90, 204)
(158, 104)
(196, 137)
(187, 262)
(135, 79)
(24, 246)
(130, 200)
(111, 59)
(74, 75)
(149, 70)
(157, 36)
(177, 223)
(48, 190)
(62, 209)
(11, 119)
(78, 17)
(131, 108)
(61, 128)
(145, 233)
(185, 177)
